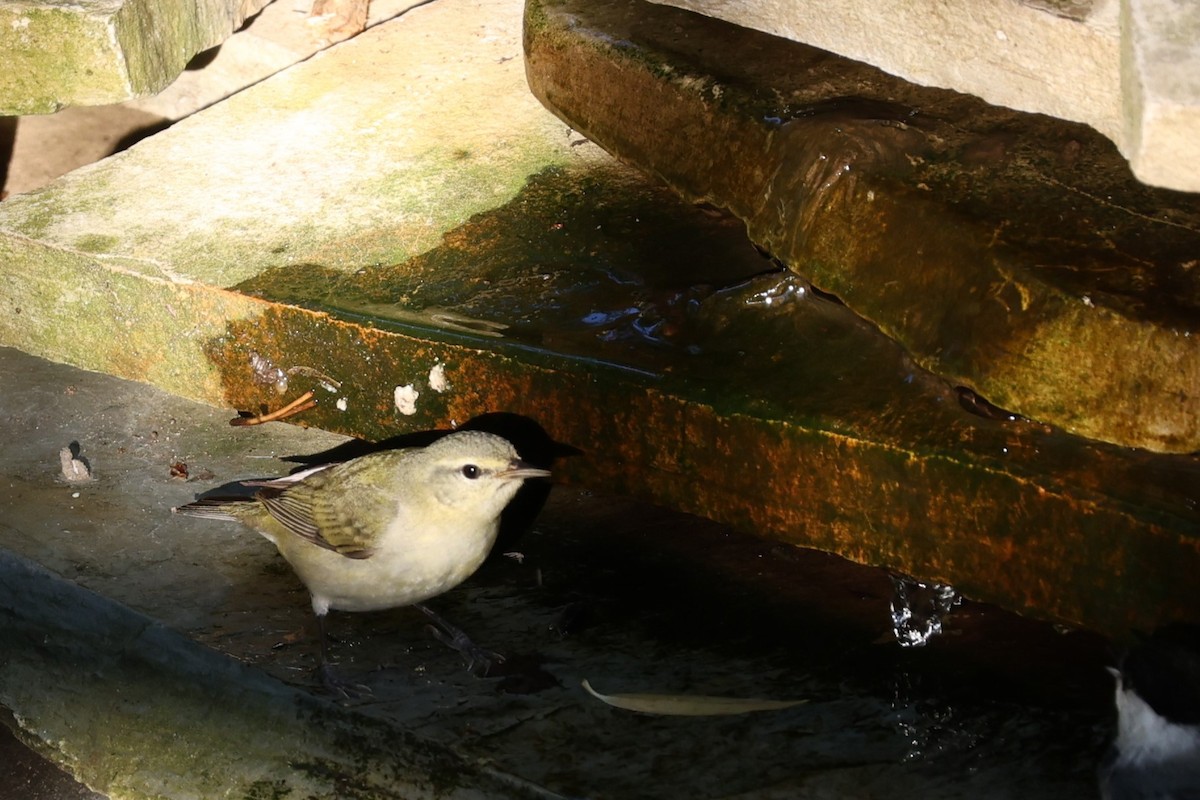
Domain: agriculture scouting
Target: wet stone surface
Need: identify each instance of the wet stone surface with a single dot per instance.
(630, 597)
(1010, 253)
(29, 777)
(741, 393)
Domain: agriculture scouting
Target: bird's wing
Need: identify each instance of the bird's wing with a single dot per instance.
(344, 508)
(288, 480)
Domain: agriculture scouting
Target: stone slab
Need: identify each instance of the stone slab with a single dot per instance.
(141, 711)
(1124, 67)
(1160, 62)
(1011, 254)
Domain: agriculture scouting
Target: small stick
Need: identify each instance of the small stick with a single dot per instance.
(302, 403)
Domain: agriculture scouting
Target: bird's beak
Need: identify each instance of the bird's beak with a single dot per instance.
(519, 470)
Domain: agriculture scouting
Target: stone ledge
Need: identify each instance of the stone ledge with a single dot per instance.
(1009, 253)
(46, 146)
(1125, 68)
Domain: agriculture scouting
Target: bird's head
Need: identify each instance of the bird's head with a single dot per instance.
(476, 473)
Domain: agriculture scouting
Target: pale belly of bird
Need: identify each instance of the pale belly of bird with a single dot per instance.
(392, 576)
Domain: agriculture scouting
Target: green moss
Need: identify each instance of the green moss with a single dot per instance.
(158, 39)
(54, 57)
(84, 55)
(32, 220)
(36, 214)
(96, 243)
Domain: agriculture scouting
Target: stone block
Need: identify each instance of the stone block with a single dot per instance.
(103, 51)
(1161, 79)
(1125, 68)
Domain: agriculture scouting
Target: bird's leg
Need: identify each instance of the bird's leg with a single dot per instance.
(323, 638)
(454, 637)
(328, 674)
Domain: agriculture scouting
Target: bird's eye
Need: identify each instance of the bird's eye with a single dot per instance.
(470, 471)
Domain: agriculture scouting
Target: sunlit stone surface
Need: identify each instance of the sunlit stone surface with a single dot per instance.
(103, 51)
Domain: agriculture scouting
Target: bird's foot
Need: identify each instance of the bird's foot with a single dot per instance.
(336, 684)
(479, 660)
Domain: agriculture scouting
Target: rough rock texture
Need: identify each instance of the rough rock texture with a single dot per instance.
(141, 711)
(1160, 59)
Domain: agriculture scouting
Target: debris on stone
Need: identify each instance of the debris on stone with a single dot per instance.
(74, 468)
(302, 403)
(437, 378)
(265, 372)
(406, 399)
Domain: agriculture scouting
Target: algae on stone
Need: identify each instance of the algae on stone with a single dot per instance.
(103, 51)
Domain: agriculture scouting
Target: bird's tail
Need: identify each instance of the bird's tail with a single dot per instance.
(227, 508)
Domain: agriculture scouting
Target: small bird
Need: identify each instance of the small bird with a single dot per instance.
(533, 443)
(1156, 753)
(388, 529)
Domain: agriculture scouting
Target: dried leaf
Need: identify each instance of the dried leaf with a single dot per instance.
(682, 705)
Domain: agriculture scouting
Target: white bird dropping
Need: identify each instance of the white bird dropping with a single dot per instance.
(406, 399)
(437, 378)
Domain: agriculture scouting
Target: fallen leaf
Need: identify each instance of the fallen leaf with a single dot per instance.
(683, 705)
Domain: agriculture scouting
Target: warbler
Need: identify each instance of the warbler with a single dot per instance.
(388, 529)
(1156, 753)
(533, 444)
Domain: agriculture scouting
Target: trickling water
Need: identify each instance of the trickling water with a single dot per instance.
(919, 610)
(777, 293)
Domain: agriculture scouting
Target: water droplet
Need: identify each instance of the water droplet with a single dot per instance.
(920, 609)
(786, 289)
